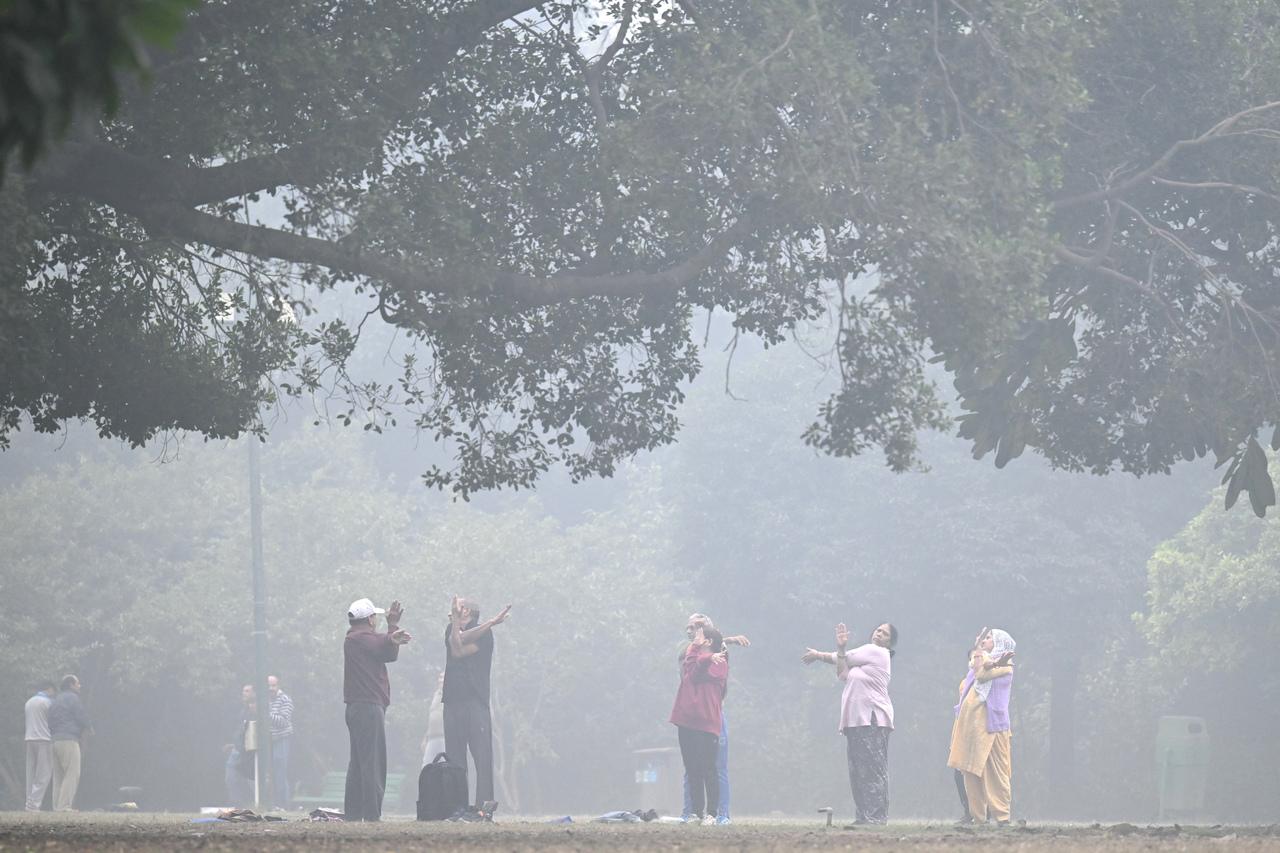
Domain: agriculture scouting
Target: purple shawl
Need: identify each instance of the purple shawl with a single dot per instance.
(997, 701)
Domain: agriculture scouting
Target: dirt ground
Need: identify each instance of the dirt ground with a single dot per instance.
(148, 833)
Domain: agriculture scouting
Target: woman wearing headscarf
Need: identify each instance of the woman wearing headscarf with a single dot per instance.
(980, 737)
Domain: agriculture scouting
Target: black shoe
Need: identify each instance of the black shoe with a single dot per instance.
(466, 814)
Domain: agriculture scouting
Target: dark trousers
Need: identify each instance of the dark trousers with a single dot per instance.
(467, 724)
(964, 798)
(698, 749)
(367, 769)
(867, 749)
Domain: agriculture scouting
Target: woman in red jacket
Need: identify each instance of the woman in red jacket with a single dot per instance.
(696, 714)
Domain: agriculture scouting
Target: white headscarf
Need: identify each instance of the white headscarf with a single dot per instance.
(1001, 642)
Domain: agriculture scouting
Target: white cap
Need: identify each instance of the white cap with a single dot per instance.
(363, 609)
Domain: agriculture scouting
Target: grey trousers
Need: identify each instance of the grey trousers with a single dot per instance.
(367, 768)
(39, 772)
(468, 725)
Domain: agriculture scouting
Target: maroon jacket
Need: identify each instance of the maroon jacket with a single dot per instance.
(365, 655)
(701, 695)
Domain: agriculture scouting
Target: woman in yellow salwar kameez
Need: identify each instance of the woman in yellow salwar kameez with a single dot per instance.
(980, 738)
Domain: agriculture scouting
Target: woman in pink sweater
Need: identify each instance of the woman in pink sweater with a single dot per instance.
(697, 716)
(866, 718)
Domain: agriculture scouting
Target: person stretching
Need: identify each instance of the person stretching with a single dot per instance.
(697, 715)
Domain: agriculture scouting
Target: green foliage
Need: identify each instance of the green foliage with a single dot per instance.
(1214, 585)
(1070, 205)
(1202, 646)
(57, 56)
(135, 574)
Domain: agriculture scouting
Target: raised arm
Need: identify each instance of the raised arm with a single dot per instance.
(457, 648)
(395, 636)
(992, 673)
(462, 640)
(989, 670)
(812, 655)
(842, 660)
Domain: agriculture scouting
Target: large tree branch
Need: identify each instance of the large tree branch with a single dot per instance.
(1217, 132)
(412, 281)
(308, 161)
(301, 164)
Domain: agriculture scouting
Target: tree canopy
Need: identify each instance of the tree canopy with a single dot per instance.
(57, 56)
(1071, 205)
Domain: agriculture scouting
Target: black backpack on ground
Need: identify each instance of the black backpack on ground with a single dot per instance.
(442, 789)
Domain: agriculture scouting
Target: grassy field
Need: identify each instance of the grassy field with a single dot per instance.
(144, 833)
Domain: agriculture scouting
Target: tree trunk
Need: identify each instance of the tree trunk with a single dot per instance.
(1064, 676)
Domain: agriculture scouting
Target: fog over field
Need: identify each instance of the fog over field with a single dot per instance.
(791, 313)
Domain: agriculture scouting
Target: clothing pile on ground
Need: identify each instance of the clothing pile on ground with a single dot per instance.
(635, 816)
(246, 816)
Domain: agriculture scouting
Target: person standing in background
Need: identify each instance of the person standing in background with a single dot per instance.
(39, 745)
(235, 777)
(468, 724)
(366, 690)
(866, 716)
(281, 713)
(700, 620)
(981, 745)
(697, 717)
(68, 725)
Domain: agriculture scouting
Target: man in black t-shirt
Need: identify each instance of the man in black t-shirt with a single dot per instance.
(468, 644)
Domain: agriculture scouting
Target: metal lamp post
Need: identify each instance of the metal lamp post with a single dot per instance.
(262, 757)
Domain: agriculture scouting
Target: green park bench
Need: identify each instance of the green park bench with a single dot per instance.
(334, 791)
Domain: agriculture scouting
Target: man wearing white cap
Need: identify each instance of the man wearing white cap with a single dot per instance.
(367, 692)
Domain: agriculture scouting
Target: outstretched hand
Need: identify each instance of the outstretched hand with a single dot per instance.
(810, 655)
(502, 617)
(400, 636)
(842, 636)
(737, 640)
(394, 612)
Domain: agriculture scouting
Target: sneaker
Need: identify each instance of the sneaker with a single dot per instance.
(723, 820)
(709, 820)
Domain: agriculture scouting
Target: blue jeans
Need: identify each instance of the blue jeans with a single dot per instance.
(239, 787)
(280, 788)
(722, 771)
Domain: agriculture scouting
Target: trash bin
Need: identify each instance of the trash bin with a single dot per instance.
(1182, 764)
(660, 779)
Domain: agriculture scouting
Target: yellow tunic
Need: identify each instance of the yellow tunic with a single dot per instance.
(984, 757)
